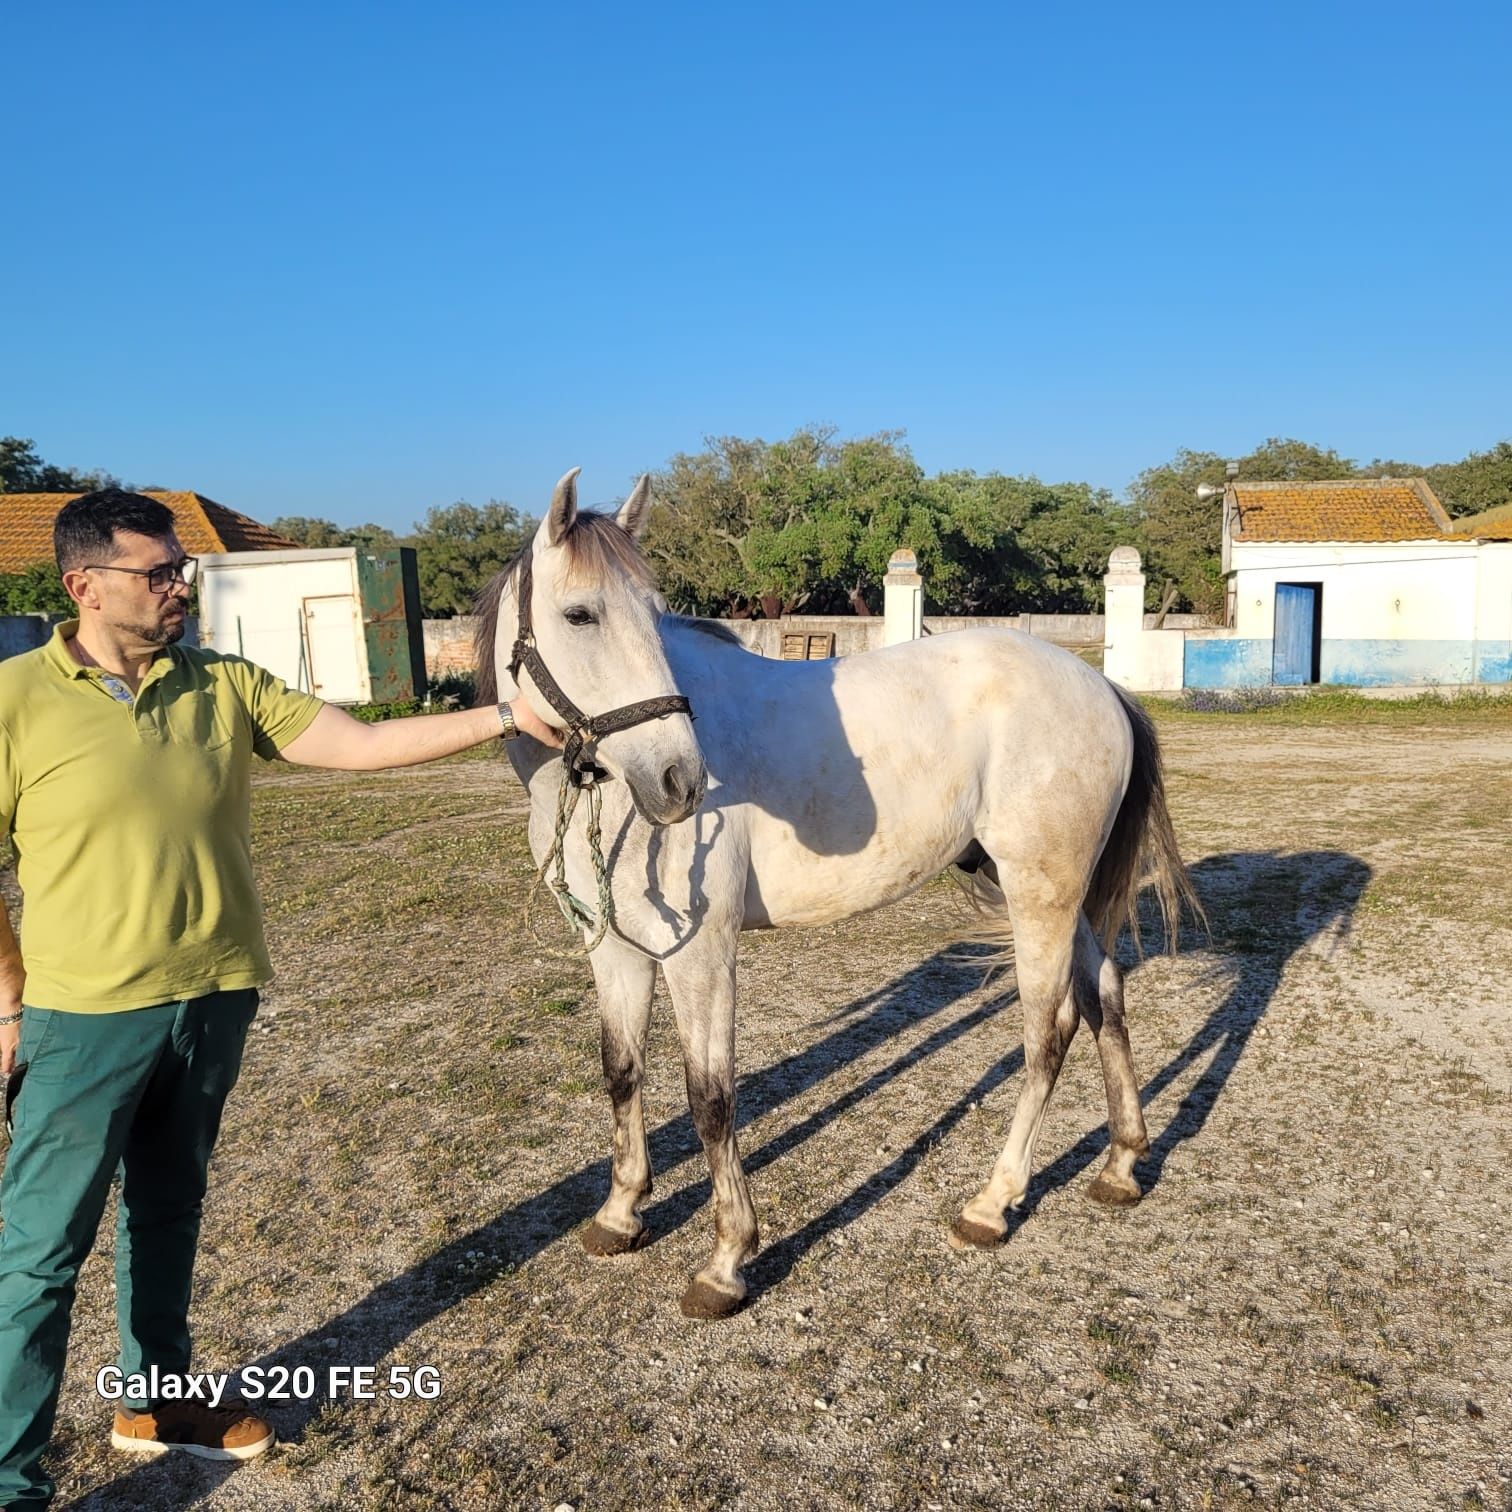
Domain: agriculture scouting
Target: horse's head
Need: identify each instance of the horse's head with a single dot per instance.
(594, 611)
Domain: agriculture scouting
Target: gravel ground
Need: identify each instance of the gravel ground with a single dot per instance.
(1311, 1305)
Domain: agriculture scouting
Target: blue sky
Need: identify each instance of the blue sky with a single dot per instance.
(355, 260)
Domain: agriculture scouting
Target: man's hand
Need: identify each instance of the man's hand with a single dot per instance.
(12, 985)
(337, 740)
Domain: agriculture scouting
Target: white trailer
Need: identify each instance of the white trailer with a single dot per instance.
(340, 622)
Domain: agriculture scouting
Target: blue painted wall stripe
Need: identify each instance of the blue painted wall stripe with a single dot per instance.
(1232, 662)
(1226, 662)
(1394, 663)
(1494, 662)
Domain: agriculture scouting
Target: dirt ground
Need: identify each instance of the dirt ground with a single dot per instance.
(1310, 1306)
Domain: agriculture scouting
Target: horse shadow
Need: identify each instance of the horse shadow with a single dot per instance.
(1265, 908)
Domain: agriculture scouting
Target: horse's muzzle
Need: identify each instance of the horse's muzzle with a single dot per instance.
(675, 795)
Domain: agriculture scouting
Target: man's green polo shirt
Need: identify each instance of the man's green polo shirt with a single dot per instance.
(132, 823)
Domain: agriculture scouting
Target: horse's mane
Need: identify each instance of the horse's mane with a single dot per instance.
(714, 628)
(595, 545)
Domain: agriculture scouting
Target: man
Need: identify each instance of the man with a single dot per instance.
(125, 780)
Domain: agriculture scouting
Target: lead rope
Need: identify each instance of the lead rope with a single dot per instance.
(574, 910)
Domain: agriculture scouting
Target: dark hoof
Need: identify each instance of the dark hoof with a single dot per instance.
(704, 1301)
(966, 1233)
(1114, 1193)
(601, 1241)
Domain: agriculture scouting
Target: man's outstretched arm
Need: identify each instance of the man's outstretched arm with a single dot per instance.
(337, 740)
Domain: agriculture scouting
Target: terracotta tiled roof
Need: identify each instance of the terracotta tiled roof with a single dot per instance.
(1489, 525)
(26, 522)
(1350, 509)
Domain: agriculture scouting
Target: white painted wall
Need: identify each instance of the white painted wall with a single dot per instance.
(1397, 590)
(1146, 661)
(269, 605)
(1493, 609)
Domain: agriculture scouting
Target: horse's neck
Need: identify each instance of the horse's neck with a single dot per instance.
(754, 714)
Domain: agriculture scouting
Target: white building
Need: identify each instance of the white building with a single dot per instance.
(342, 622)
(1363, 582)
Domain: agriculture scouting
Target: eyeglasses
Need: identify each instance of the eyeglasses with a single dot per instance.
(160, 578)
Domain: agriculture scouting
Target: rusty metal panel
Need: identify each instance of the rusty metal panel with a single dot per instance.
(388, 584)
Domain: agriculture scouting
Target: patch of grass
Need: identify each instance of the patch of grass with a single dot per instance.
(1127, 1351)
(1327, 705)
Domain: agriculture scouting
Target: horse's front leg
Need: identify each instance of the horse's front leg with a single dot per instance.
(626, 981)
(701, 980)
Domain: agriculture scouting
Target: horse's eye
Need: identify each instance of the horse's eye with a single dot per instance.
(580, 617)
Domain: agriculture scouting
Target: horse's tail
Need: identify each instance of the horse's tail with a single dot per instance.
(1141, 849)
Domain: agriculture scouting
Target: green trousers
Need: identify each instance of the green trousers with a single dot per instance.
(137, 1094)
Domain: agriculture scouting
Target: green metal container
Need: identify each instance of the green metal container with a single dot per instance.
(388, 587)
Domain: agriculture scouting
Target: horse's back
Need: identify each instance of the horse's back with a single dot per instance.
(854, 781)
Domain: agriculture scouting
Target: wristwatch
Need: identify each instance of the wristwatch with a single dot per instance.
(509, 729)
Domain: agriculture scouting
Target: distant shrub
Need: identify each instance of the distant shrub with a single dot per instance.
(401, 708)
(455, 690)
(1337, 705)
(1232, 700)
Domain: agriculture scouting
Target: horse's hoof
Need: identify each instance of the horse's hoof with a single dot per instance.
(967, 1233)
(701, 1300)
(1115, 1191)
(600, 1241)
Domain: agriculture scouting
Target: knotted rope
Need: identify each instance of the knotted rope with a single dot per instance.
(577, 913)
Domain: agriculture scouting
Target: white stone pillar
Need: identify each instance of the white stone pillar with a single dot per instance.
(902, 599)
(1123, 617)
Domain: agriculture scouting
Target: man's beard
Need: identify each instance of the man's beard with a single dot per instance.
(164, 633)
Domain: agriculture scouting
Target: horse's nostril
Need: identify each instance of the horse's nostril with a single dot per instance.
(673, 784)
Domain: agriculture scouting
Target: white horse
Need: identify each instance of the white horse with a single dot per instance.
(809, 792)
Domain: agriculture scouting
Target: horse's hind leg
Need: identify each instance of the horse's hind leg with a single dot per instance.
(626, 981)
(701, 980)
(1044, 938)
(1099, 995)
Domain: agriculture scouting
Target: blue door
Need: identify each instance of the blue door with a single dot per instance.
(1295, 657)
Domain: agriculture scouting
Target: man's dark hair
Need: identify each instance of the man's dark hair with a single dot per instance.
(84, 531)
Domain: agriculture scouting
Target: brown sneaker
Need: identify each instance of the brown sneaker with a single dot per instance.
(228, 1432)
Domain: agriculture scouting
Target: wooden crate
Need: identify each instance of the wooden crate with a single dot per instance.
(817, 646)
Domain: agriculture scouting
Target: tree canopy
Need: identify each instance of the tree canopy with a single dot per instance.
(313, 532)
(23, 471)
(1481, 481)
(809, 524)
(37, 590)
(458, 547)
(751, 527)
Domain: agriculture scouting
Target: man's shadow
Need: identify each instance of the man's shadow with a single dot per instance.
(1263, 908)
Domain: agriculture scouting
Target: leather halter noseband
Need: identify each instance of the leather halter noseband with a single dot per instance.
(583, 729)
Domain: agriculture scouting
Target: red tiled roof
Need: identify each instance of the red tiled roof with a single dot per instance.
(1349, 509)
(1490, 525)
(26, 522)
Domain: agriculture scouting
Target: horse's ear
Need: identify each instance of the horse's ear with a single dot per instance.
(632, 513)
(563, 509)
